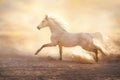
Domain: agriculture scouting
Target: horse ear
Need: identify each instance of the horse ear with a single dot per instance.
(46, 17)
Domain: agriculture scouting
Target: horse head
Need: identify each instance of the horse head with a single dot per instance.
(43, 23)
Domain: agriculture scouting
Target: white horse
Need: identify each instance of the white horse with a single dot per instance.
(62, 38)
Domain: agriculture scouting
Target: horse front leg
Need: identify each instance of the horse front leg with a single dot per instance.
(45, 45)
(60, 51)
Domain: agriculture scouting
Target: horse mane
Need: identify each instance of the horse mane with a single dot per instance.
(59, 22)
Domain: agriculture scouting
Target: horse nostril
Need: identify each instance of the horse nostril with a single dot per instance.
(38, 27)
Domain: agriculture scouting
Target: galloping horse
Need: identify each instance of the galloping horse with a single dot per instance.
(62, 38)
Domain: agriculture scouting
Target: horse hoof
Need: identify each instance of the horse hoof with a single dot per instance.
(35, 53)
(60, 59)
(96, 61)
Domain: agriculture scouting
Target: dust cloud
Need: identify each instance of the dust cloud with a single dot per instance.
(19, 18)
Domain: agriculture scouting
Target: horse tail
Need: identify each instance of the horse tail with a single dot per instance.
(100, 49)
(98, 36)
(98, 39)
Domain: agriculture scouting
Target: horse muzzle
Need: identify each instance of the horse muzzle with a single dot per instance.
(38, 28)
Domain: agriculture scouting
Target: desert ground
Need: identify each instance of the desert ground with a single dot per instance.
(19, 39)
(38, 68)
(14, 65)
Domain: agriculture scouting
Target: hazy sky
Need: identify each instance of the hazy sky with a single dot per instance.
(81, 15)
(19, 18)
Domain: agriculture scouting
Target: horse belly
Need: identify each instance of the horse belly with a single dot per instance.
(68, 41)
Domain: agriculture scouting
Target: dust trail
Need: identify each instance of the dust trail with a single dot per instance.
(19, 18)
(107, 43)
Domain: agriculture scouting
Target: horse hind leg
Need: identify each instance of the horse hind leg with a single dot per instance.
(96, 55)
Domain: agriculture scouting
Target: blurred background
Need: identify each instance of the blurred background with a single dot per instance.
(19, 18)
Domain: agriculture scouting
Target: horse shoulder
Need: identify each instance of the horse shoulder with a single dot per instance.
(55, 37)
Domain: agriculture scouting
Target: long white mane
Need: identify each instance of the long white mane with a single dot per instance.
(59, 22)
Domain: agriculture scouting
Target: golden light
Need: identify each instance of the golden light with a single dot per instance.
(19, 18)
(83, 54)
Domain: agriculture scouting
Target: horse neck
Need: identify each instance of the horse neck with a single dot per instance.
(55, 28)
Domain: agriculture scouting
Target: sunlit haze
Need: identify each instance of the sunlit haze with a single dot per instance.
(19, 19)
